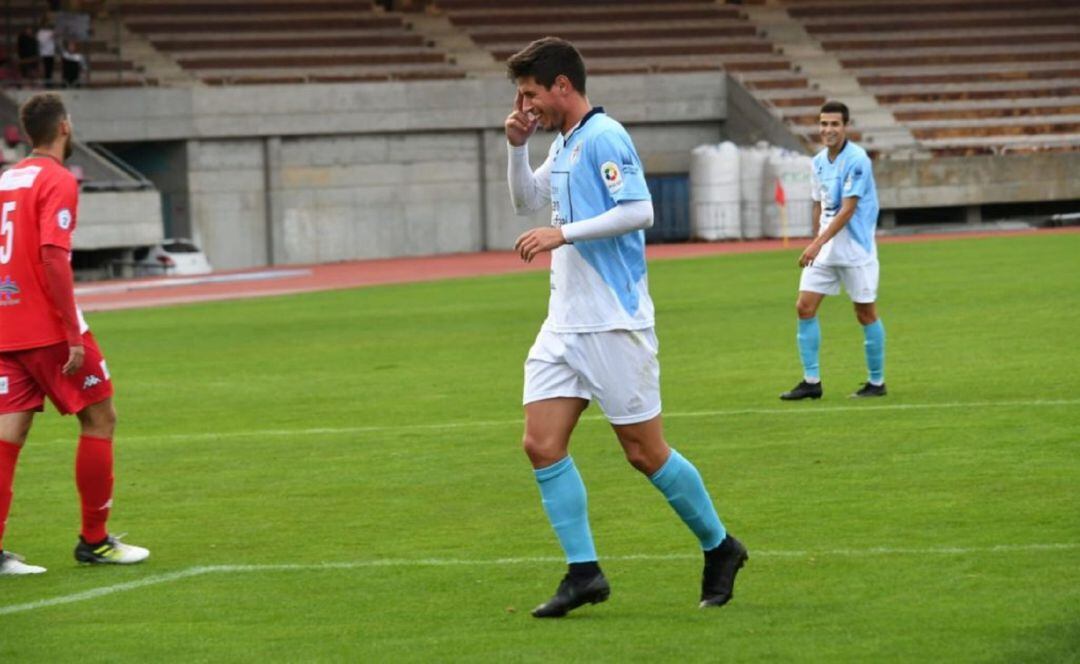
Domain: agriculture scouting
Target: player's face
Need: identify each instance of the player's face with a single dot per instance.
(541, 104)
(832, 129)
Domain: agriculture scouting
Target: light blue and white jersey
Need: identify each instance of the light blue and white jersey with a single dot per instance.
(597, 285)
(850, 175)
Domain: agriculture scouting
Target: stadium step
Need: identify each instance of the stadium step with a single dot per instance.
(877, 127)
(441, 32)
(281, 41)
(154, 65)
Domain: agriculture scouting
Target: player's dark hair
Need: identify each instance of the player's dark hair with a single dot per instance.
(835, 107)
(546, 59)
(41, 116)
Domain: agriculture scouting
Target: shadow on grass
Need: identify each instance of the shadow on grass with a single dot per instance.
(1052, 643)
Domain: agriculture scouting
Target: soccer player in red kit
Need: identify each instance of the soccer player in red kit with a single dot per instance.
(46, 348)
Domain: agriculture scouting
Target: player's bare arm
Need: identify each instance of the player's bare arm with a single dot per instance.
(847, 209)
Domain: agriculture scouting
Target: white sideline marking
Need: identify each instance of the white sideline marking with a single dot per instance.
(202, 570)
(793, 410)
(173, 282)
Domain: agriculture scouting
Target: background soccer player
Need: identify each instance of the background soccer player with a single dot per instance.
(843, 252)
(598, 340)
(45, 345)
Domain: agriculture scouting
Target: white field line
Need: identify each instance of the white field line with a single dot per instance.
(204, 570)
(703, 414)
(173, 282)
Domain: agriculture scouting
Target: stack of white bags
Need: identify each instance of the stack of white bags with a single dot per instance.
(733, 192)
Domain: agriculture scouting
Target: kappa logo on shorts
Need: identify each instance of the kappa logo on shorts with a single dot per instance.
(91, 381)
(4, 385)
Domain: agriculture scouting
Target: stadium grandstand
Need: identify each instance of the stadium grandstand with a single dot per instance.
(284, 131)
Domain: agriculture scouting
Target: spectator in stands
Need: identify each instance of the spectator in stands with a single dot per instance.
(29, 55)
(72, 64)
(843, 253)
(46, 39)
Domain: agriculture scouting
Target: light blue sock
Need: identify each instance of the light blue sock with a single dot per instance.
(567, 507)
(681, 484)
(875, 351)
(809, 337)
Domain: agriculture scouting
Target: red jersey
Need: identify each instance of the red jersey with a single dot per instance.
(38, 203)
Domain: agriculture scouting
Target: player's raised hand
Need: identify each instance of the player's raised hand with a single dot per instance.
(75, 360)
(538, 240)
(519, 126)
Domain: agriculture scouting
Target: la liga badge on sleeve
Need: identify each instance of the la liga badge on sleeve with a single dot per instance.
(613, 179)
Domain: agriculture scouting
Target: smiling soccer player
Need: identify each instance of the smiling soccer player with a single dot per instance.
(598, 341)
(843, 252)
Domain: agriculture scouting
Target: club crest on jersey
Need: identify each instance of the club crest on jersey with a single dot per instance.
(9, 291)
(575, 154)
(609, 170)
(63, 219)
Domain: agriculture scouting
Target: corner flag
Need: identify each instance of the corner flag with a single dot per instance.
(781, 200)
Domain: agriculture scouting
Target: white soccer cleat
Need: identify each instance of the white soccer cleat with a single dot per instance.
(12, 564)
(110, 552)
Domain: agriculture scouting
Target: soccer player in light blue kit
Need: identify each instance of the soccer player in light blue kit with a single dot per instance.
(598, 340)
(843, 252)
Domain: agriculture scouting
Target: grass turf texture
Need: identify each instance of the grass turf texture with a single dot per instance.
(307, 429)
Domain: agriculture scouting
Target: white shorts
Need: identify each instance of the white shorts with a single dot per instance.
(618, 368)
(861, 282)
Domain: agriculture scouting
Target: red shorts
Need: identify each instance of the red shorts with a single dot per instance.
(28, 376)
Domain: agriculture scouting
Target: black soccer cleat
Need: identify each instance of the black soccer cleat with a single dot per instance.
(870, 390)
(803, 390)
(721, 566)
(573, 593)
(110, 551)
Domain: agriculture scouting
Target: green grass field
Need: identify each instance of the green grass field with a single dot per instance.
(338, 477)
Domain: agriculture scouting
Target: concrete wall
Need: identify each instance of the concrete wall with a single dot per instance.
(369, 196)
(227, 201)
(109, 219)
(286, 174)
(202, 112)
(951, 181)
